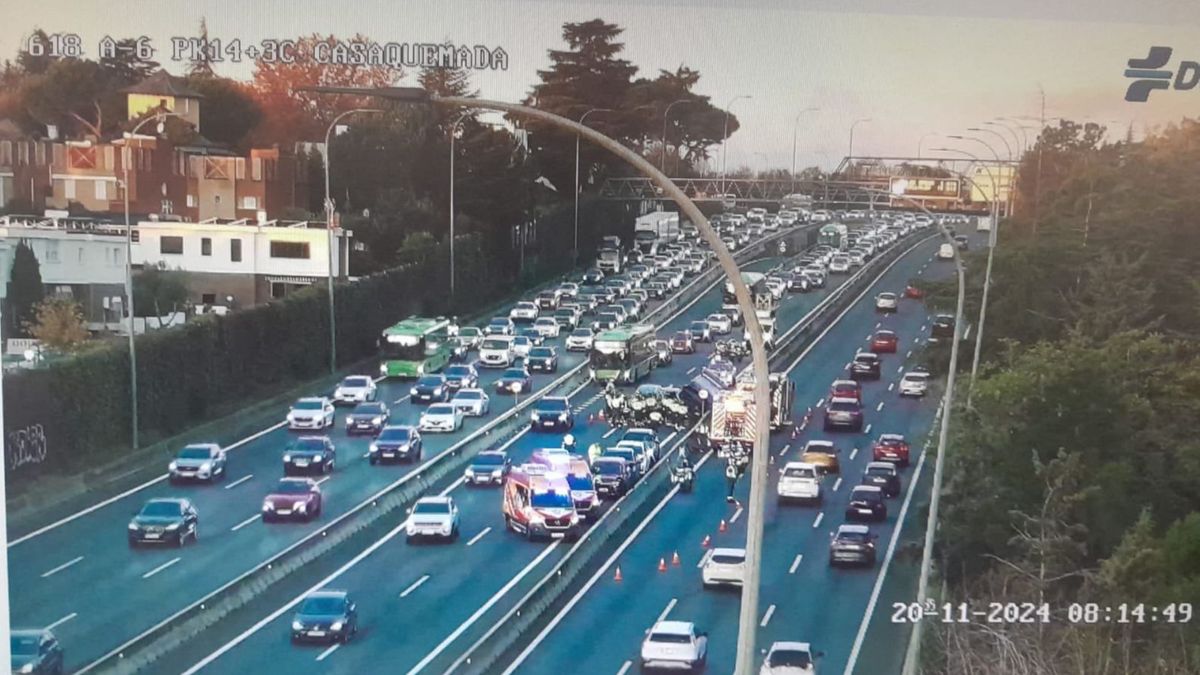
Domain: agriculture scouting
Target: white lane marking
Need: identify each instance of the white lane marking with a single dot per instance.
(328, 650)
(666, 440)
(736, 514)
(767, 617)
(867, 430)
(868, 338)
(847, 366)
(908, 355)
(821, 402)
(891, 386)
(887, 561)
(160, 568)
(670, 606)
(878, 324)
(63, 620)
(101, 504)
(924, 327)
(415, 585)
(323, 480)
(704, 558)
(879, 407)
(402, 399)
(245, 522)
(239, 481)
(785, 449)
(692, 370)
(837, 484)
(625, 667)
(917, 340)
(853, 453)
(482, 610)
(479, 536)
(900, 369)
(610, 432)
(61, 567)
(796, 563)
(817, 522)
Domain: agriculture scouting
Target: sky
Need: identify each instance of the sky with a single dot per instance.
(929, 66)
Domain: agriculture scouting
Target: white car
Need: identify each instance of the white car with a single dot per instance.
(523, 311)
(580, 340)
(472, 402)
(886, 302)
(840, 264)
(496, 352)
(674, 645)
(314, 412)
(719, 324)
(441, 417)
(547, 327)
(568, 289)
(945, 252)
(432, 517)
(790, 658)
(521, 346)
(800, 481)
(914, 384)
(355, 389)
(724, 567)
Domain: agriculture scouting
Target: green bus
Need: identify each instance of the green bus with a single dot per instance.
(833, 234)
(623, 355)
(414, 347)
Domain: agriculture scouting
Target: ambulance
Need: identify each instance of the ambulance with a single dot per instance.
(537, 503)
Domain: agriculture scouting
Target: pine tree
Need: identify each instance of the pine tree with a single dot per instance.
(201, 63)
(25, 288)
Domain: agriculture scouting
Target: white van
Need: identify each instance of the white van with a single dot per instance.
(945, 252)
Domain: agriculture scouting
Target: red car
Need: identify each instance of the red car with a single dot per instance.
(914, 293)
(885, 341)
(846, 389)
(891, 448)
(293, 499)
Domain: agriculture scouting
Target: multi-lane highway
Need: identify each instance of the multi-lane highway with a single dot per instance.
(802, 597)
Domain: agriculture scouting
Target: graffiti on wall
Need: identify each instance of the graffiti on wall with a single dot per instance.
(25, 446)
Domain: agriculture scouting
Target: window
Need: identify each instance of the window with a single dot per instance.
(249, 202)
(289, 249)
(118, 256)
(235, 250)
(191, 201)
(208, 298)
(80, 259)
(205, 246)
(69, 188)
(171, 245)
(51, 251)
(101, 189)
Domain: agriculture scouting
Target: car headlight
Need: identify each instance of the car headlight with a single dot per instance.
(207, 466)
(413, 391)
(336, 626)
(173, 526)
(27, 668)
(420, 368)
(296, 625)
(133, 527)
(574, 518)
(437, 391)
(268, 505)
(383, 369)
(291, 417)
(301, 507)
(470, 473)
(496, 473)
(287, 459)
(562, 417)
(172, 466)
(374, 447)
(378, 419)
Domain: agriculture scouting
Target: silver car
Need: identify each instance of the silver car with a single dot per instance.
(198, 461)
(472, 402)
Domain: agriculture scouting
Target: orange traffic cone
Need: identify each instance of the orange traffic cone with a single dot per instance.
(723, 526)
(662, 564)
(705, 543)
(617, 577)
(675, 559)
(591, 418)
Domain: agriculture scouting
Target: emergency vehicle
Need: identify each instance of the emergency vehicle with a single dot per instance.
(579, 478)
(538, 503)
(734, 418)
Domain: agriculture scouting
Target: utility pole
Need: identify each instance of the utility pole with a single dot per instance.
(1037, 185)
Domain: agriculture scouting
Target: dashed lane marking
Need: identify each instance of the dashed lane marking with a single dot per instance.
(161, 567)
(479, 536)
(736, 514)
(63, 620)
(796, 563)
(767, 617)
(817, 522)
(239, 481)
(837, 484)
(245, 522)
(61, 567)
(328, 650)
(414, 586)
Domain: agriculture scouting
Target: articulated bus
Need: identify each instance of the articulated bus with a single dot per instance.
(414, 347)
(623, 355)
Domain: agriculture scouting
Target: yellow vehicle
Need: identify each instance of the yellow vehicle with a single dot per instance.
(823, 454)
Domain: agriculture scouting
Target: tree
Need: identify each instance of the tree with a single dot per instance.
(72, 95)
(30, 63)
(200, 65)
(692, 127)
(230, 109)
(290, 114)
(58, 323)
(124, 68)
(158, 291)
(25, 288)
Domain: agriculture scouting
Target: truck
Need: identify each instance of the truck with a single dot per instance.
(734, 416)
(610, 260)
(729, 305)
(655, 229)
(983, 223)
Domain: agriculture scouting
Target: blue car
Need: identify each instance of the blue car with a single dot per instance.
(515, 381)
(325, 616)
(431, 389)
(552, 413)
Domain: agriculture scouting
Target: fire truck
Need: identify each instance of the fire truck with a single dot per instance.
(734, 416)
(537, 503)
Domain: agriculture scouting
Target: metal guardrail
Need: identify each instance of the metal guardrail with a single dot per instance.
(534, 609)
(164, 637)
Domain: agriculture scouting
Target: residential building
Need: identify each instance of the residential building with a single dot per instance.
(163, 91)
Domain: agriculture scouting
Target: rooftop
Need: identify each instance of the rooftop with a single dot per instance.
(163, 83)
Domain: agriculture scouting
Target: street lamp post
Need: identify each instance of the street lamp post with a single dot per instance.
(329, 235)
(1008, 150)
(850, 152)
(725, 141)
(795, 134)
(748, 618)
(575, 250)
(921, 141)
(662, 163)
(453, 134)
(126, 159)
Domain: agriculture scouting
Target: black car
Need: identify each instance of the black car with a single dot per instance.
(613, 476)
(866, 503)
(552, 413)
(462, 376)
(515, 381)
(169, 521)
(865, 366)
(430, 389)
(963, 242)
(682, 343)
(394, 444)
(799, 283)
(656, 289)
(309, 454)
(325, 616)
(35, 650)
(844, 413)
(884, 476)
(943, 327)
(605, 321)
(852, 544)
(487, 468)
(593, 276)
(542, 360)
(367, 418)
